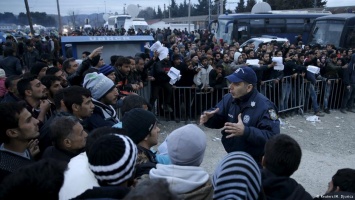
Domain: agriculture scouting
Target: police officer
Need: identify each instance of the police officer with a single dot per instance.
(247, 117)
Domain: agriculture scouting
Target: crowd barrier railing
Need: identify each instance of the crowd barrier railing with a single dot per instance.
(292, 93)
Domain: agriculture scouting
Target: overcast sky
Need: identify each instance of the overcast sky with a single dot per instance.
(100, 6)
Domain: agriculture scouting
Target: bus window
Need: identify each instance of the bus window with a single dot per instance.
(274, 26)
(327, 32)
(308, 24)
(214, 26)
(257, 27)
(220, 34)
(243, 34)
(228, 36)
(241, 30)
(295, 26)
(221, 28)
(350, 38)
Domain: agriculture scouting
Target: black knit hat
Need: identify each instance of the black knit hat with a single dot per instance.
(37, 67)
(193, 55)
(138, 123)
(112, 159)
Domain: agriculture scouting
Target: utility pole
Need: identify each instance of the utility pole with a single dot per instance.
(59, 18)
(164, 11)
(169, 7)
(29, 18)
(209, 11)
(189, 13)
(221, 7)
(74, 21)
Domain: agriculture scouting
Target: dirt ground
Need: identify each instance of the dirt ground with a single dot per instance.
(327, 145)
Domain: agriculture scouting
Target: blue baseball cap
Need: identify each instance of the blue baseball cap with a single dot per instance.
(245, 74)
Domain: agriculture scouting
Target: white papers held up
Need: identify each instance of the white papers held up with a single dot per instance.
(147, 45)
(279, 63)
(156, 46)
(313, 69)
(174, 75)
(254, 62)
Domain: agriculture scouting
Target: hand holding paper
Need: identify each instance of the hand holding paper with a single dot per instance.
(254, 62)
(279, 63)
(313, 69)
(174, 75)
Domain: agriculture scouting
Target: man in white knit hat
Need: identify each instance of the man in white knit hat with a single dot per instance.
(104, 94)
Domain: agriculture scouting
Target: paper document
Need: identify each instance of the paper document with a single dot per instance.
(279, 63)
(313, 69)
(156, 46)
(147, 45)
(174, 75)
(254, 62)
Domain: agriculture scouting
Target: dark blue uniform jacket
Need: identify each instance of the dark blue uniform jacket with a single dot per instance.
(260, 119)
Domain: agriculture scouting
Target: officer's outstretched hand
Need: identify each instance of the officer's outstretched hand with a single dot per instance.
(235, 129)
(206, 115)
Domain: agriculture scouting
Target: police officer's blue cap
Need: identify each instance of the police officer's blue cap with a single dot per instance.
(243, 74)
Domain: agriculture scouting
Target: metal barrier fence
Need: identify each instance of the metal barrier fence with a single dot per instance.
(329, 94)
(291, 94)
(286, 94)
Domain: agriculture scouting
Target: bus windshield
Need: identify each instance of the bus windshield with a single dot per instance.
(327, 32)
(120, 21)
(221, 30)
(111, 21)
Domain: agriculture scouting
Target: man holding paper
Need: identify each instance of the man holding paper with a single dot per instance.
(161, 79)
(311, 74)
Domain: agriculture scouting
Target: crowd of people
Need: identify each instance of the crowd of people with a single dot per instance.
(76, 129)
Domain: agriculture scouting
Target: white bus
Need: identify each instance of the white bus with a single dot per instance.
(117, 21)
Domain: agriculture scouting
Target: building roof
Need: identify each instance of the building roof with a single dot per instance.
(341, 9)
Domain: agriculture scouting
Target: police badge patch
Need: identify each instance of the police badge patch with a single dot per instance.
(273, 114)
(252, 103)
(246, 119)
